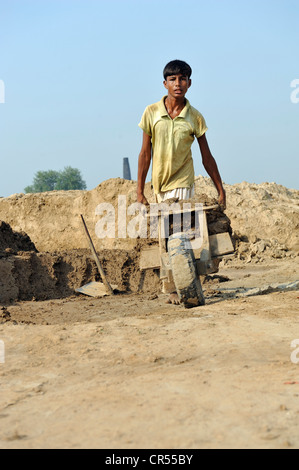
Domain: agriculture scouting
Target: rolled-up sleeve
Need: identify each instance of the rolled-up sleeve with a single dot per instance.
(145, 123)
(200, 125)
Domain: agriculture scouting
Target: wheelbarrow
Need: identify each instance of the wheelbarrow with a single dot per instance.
(183, 257)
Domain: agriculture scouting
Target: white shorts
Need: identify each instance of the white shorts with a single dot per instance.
(180, 193)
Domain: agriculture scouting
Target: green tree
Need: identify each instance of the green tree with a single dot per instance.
(43, 181)
(69, 178)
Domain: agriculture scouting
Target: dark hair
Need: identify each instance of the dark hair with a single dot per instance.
(175, 67)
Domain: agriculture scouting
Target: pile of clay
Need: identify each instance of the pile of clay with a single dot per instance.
(12, 242)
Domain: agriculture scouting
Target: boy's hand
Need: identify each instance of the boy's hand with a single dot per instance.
(222, 200)
(142, 199)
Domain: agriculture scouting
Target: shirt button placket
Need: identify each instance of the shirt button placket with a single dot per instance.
(172, 131)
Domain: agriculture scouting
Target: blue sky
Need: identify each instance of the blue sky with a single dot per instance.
(79, 73)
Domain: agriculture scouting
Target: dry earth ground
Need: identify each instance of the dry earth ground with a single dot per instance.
(131, 372)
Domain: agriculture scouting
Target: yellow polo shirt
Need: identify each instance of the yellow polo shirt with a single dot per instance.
(171, 144)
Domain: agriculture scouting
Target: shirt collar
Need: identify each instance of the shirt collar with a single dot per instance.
(163, 112)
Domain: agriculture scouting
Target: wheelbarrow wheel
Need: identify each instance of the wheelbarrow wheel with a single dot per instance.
(182, 262)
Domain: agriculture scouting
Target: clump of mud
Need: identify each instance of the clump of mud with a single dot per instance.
(217, 220)
(12, 242)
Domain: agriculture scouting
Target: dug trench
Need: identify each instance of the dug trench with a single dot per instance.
(26, 274)
(44, 276)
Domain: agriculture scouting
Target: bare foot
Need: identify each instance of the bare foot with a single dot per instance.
(173, 299)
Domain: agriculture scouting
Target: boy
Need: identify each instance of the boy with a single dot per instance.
(169, 128)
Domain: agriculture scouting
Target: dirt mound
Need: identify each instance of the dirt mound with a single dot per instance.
(266, 211)
(13, 242)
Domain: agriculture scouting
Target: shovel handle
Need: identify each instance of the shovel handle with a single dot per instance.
(96, 258)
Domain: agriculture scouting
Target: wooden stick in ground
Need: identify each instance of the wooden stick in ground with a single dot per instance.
(96, 258)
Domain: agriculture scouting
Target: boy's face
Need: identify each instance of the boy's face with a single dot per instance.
(177, 85)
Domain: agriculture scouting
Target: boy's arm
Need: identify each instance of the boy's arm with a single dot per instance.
(211, 168)
(144, 162)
